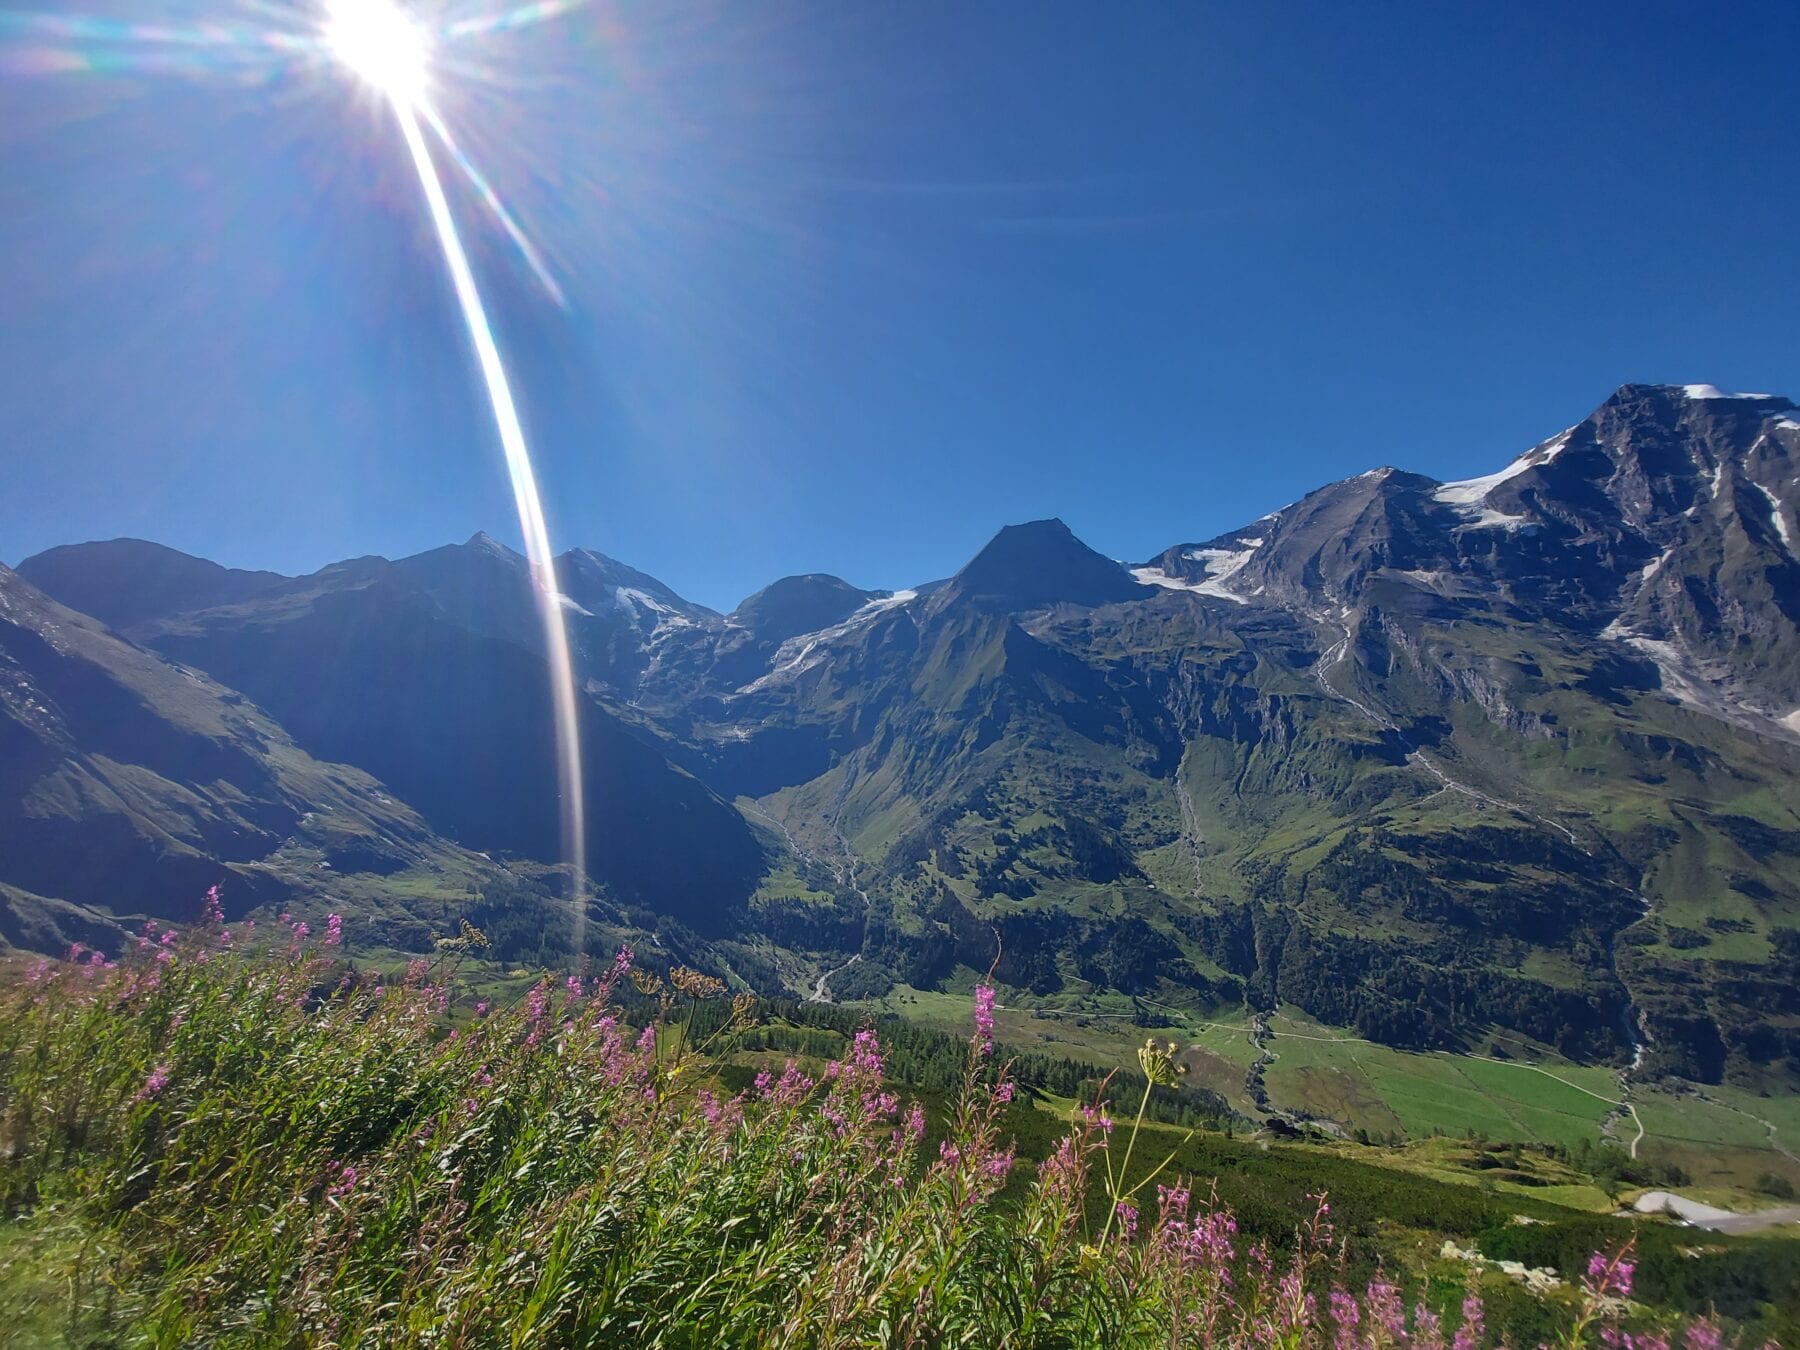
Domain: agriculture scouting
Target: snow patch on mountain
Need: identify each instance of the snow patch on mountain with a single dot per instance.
(1779, 521)
(1469, 495)
(1702, 393)
(806, 650)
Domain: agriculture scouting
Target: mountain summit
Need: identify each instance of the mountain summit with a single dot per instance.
(1037, 564)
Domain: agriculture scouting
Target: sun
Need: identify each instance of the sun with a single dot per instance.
(381, 44)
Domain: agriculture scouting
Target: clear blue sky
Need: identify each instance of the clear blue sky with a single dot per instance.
(851, 286)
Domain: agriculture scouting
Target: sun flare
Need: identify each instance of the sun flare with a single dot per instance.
(381, 44)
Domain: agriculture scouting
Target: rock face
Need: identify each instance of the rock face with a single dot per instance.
(1425, 759)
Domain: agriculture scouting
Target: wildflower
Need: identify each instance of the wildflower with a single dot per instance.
(334, 930)
(1468, 1335)
(1610, 1277)
(224, 937)
(154, 1084)
(914, 1124)
(1003, 1091)
(1128, 1219)
(300, 932)
(214, 912)
(75, 951)
(984, 1019)
(537, 1003)
(574, 987)
(999, 1164)
(344, 1183)
(1704, 1335)
(1159, 1064)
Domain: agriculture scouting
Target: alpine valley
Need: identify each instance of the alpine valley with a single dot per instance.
(1439, 764)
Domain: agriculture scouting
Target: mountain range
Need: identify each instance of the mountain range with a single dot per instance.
(1445, 763)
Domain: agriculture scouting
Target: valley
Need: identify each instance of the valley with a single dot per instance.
(1479, 798)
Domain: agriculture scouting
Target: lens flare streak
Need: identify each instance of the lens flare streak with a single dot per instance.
(491, 199)
(525, 492)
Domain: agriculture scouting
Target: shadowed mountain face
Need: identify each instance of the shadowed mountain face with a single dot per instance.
(130, 785)
(1433, 761)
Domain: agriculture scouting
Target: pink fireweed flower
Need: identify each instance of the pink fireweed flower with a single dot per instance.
(1704, 1335)
(1474, 1323)
(214, 912)
(1128, 1219)
(300, 932)
(224, 937)
(334, 930)
(154, 1084)
(1386, 1310)
(344, 1182)
(1003, 1091)
(537, 1003)
(168, 938)
(984, 1019)
(481, 1009)
(573, 985)
(1610, 1277)
(914, 1124)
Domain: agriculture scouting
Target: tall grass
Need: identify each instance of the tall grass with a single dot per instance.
(262, 1146)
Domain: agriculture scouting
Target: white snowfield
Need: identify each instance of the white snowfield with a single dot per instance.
(1703, 392)
(1221, 565)
(1469, 496)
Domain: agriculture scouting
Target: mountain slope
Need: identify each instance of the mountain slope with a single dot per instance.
(129, 785)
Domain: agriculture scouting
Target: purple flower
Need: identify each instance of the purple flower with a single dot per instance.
(155, 1083)
(334, 930)
(214, 911)
(345, 1181)
(1128, 1219)
(984, 1019)
(1610, 1276)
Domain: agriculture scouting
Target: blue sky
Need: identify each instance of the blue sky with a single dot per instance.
(850, 287)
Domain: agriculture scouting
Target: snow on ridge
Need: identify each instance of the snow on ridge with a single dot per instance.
(1701, 393)
(1470, 493)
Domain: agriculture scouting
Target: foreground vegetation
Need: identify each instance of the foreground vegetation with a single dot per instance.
(228, 1137)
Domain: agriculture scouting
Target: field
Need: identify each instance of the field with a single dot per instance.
(1719, 1136)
